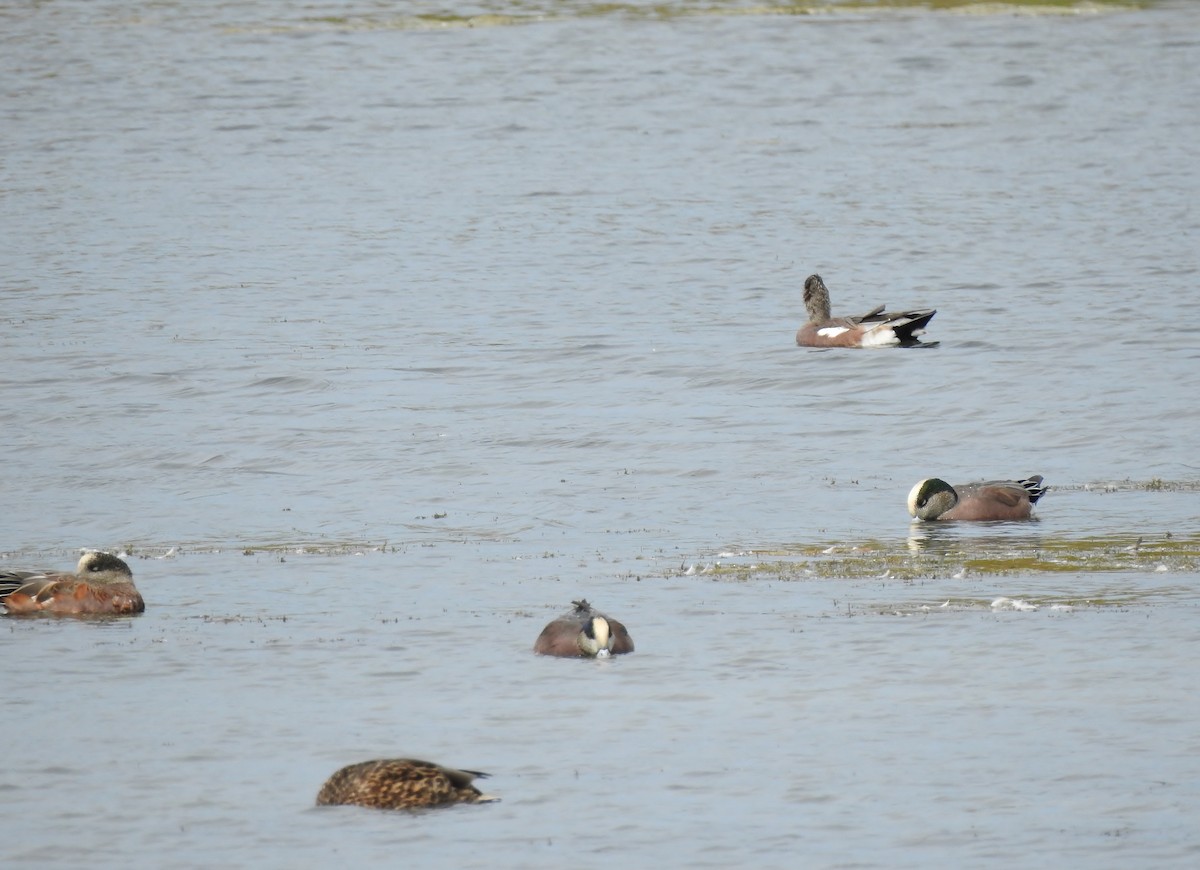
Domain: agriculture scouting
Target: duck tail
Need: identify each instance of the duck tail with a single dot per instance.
(911, 324)
(1034, 486)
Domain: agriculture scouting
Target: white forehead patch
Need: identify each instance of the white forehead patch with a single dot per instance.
(832, 331)
(912, 498)
(600, 631)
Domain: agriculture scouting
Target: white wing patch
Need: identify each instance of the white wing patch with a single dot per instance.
(832, 331)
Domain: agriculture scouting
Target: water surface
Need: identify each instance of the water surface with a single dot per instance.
(374, 345)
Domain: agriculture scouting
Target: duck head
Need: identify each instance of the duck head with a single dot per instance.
(931, 498)
(596, 637)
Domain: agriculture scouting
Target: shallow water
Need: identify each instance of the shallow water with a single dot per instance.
(446, 327)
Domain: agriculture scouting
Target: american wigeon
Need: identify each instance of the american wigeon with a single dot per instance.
(876, 328)
(401, 784)
(101, 584)
(583, 632)
(934, 499)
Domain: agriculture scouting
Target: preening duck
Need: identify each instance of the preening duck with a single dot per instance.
(583, 632)
(876, 328)
(934, 499)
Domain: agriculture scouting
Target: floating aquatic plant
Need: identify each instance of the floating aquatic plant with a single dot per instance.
(917, 558)
(500, 13)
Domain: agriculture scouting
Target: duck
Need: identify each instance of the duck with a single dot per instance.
(934, 499)
(583, 633)
(401, 784)
(876, 328)
(102, 584)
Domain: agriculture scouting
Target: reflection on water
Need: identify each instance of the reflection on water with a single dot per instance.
(946, 539)
(376, 347)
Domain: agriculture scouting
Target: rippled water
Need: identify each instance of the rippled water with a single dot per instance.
(446, 326)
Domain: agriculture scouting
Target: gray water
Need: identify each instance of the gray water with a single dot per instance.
(374, 343)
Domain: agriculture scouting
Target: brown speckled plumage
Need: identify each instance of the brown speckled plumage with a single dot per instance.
(401, 784)
(101, 584)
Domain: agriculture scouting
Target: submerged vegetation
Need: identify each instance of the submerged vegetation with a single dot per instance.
(934, 557)
(507, 12)
(985, 6)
